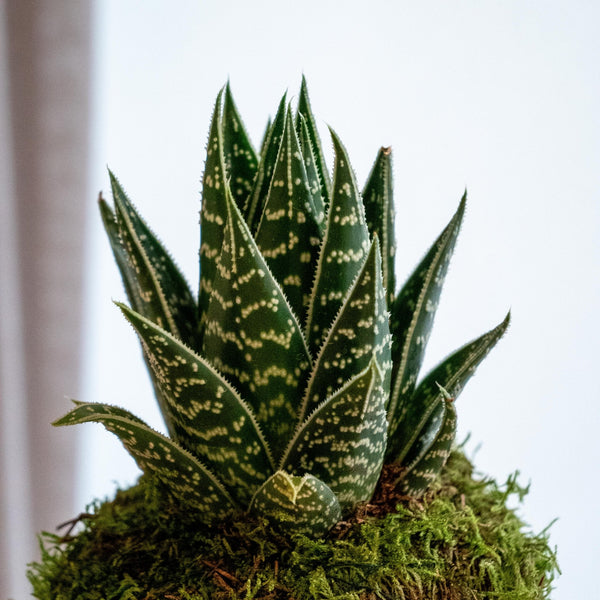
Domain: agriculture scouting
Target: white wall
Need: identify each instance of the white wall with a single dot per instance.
(500, 97)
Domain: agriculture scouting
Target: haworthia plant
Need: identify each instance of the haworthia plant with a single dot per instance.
(293, 376)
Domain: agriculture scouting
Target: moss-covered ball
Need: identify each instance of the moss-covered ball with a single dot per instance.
(461, 541)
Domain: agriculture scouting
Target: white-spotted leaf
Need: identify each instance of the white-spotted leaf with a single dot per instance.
(297, 504)
(345, 245)
(359, 334)
(412, 314)
(209, 417)
(288, 234)
(159, 456)
(252, 336)
(343, 441)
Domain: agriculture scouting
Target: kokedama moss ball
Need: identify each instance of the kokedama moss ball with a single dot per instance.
(459, 542)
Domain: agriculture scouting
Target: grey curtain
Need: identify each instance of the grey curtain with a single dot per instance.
(45, 75)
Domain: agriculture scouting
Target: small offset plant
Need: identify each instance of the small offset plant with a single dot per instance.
(292, 378)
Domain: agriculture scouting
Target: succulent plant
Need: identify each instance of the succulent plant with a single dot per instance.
(292, 378)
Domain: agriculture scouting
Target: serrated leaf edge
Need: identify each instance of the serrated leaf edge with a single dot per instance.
(373, 365)
(197, 357)
(130, 418)
(451, 233)
(122, 213)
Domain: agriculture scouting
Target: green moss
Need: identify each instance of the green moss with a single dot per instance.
(460, 542)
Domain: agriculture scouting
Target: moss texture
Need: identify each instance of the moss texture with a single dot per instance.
(461, 541)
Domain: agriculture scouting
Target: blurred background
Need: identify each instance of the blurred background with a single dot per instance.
(500, 98)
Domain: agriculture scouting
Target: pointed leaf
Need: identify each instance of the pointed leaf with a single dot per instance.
(161, 292)
(312, 174)
(268, 159)
(209, 417)
(412, 316)
(252, 335)
(455, 371)
(343, 251)
(379, 211)
(305, 110)
(265, 139)
(288, 235)
(343, 441)
(427, 432)
(433, 450)
(214, 212)
(297, 504)
(359, 333)
(129, 277)
(184, 476)
(452, 374)
(241, 162)
(128, 274)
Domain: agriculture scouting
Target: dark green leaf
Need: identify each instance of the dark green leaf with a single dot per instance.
(128, 275)
(268, 159)
(430, 454)
(427, 432)
(241, 162)
(312, 173)
(297, 504)
(185, 477)
(379, 211)
(252, 335)
(359, 333)
(288, 235)
(305, 110)
(343, 441)
(209, 417)
(265, 138)
(412, 315)
(452, 374)
(161, 292)
(214, 211)
(343, 252)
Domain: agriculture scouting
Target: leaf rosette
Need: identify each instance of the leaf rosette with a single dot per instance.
(292, 377)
